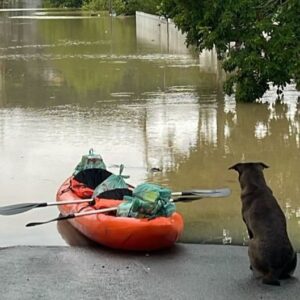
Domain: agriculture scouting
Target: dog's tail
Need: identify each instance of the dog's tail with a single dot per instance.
(271, 279)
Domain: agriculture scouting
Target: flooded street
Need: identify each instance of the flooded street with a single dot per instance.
(70, 82)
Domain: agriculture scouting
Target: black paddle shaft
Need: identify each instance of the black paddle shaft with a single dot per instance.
(74, 215)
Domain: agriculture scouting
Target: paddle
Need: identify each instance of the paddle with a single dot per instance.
(189, 195)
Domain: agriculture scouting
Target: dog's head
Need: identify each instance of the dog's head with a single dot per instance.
(250, 172)
(241, 167)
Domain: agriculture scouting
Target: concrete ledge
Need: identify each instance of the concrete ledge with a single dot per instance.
(186, 271)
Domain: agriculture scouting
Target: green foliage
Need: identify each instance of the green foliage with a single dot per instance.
(258, 40)
(96, 5)
(63, 3)
(149, 6)
(126, 7)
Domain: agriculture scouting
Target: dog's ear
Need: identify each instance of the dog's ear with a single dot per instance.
(237, 167)
(263, 165)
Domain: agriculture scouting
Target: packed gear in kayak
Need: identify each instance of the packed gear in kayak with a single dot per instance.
(148, 200)
(90, 161)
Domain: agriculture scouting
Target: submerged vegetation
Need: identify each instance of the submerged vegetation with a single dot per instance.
(125, 7)
(258, 41)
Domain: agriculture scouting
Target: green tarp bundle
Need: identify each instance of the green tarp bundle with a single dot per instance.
(148, 200)
(111, 183)
(90, 161)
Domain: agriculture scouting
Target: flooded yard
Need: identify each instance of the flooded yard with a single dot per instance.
(71, 81)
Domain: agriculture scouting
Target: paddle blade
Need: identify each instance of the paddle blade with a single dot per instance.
(224, 192)
(199, 194)
(18, 208)
(61, 217)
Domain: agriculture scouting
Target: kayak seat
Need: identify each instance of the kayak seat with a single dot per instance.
(89, 179)
(116, 194)
(92, 177)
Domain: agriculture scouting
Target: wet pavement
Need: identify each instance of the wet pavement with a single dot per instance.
(187, 271)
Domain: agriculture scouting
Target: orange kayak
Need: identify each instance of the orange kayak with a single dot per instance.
(120, 232)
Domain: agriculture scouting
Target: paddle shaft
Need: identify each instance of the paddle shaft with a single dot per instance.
(192, 194)
(79, 214)
(92, 212)
(186, 195)
(182, 196)
(69, 202)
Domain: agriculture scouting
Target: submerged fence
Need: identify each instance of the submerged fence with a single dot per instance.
(159, 32)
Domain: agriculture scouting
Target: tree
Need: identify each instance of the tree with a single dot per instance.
(257, 40)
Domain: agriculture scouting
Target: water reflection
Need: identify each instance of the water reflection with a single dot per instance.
(72, 236)
(68, 85)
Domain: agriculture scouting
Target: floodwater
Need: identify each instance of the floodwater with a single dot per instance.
(70, 82)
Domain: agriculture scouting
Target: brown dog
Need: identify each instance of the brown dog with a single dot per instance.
(270, 251)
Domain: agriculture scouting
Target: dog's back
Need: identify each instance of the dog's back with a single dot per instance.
(270, 250)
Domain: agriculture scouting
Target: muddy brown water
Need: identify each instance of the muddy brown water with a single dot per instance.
(69, 84)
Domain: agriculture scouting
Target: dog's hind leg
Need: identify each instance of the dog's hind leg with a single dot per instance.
(289, 268)
(270, 279)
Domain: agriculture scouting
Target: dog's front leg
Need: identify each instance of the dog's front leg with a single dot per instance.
(250, 234)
